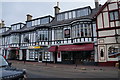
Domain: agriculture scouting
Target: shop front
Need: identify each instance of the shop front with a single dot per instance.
(13, 53)
(75, 54)
(35, 53)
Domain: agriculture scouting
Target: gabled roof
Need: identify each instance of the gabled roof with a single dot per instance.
(101, 9)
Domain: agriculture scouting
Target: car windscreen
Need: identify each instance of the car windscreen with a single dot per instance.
(3, 62)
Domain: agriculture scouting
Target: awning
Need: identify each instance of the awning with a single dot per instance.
(12, 48)
(53, 49)
(83, 47)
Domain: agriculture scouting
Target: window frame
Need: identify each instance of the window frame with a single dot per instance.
(114, 16)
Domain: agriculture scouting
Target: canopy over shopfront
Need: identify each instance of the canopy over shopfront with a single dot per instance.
(53, 49)
(83, 47)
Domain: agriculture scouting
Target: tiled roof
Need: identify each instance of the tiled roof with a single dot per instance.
(55, 23)
(69, 21)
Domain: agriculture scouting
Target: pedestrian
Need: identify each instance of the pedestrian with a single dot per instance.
(24, 59)
(75, 63)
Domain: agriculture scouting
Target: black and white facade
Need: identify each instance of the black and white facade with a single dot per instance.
(69, 37)
(73, 32)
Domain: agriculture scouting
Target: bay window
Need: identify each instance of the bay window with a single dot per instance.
(58, 34)
(42, 35)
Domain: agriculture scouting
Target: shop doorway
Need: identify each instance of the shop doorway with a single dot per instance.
(24, 54)
(12, 55)
(40, 57)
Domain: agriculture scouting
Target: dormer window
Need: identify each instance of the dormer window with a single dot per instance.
(17, 26)
(73, 14)
(39, 21)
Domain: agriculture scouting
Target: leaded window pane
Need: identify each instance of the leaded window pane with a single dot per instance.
(70, 15)
(111, 16)
(74, 14)
(116, 15)
(66, 15)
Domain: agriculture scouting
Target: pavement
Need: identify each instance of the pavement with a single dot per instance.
(67, 71)
(70, 66)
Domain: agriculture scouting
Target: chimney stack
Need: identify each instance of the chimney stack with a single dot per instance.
(57, 9)
(96, 4)
(29, 17)
(2, 24)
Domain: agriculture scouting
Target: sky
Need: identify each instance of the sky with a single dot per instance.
(13, 12)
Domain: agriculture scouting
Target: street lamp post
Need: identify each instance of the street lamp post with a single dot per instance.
(46, 58)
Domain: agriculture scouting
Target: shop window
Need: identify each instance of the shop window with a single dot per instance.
(114, 15)
(113, 50)
(31, 54)
(102, 53)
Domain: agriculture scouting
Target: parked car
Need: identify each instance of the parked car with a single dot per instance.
(10, 73)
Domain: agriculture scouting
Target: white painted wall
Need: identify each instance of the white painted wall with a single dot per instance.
(106, 19)
(106, 32)
(20, 54)
(117, 23)
(59, 59)
(113, 6)
(99, 21)
(27, 54)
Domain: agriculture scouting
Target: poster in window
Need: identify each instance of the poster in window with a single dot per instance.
(67, 33)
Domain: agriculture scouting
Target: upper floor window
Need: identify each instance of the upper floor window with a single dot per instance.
(26, 38)
(58, 34)
(114, 15)
(81, 30)
(73, 14)
(15, 38)
(42, 35)
(3, 30)
(29, 24)
(39, 21)
(44, 20)
(17, 26)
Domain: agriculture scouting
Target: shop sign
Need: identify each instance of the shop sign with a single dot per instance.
(23, 47)
(67, 33)
(34, 47)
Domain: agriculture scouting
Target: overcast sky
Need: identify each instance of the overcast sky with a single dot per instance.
(13, 12)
